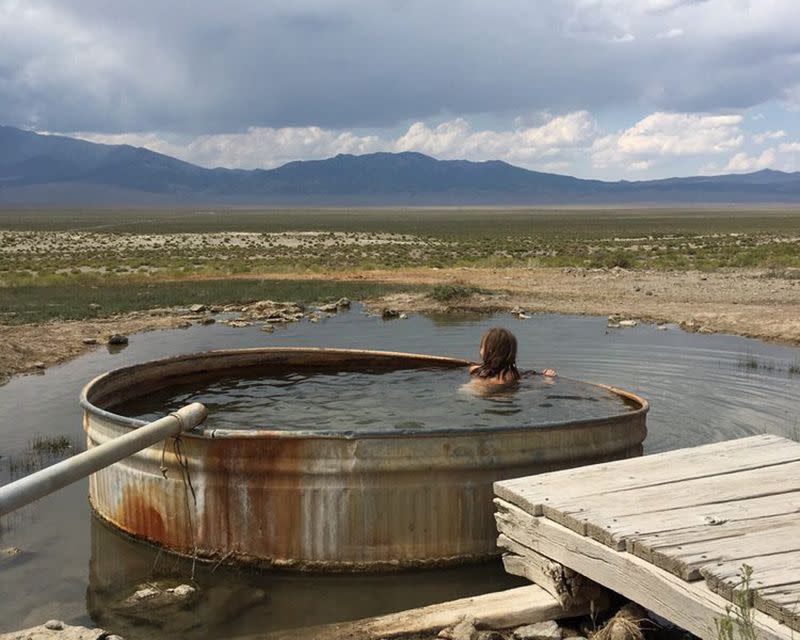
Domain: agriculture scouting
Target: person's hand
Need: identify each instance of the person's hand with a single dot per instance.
(550, 373)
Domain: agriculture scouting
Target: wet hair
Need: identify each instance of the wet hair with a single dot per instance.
(499, 355)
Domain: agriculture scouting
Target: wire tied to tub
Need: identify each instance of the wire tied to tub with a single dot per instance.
(186, 479)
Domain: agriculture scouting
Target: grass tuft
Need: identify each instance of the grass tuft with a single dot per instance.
(450, 292)
(739, 620)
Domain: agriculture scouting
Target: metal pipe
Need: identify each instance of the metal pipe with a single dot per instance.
(37, 485)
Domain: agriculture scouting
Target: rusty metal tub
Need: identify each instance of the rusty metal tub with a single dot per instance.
(321, 500)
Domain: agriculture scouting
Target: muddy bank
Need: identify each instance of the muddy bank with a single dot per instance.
(745, 303)
(740, 302)
(33, 347)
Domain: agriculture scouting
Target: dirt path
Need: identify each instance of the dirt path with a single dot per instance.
(738, 302)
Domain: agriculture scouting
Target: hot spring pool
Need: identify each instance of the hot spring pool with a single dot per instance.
(336, 459)
(377, 400)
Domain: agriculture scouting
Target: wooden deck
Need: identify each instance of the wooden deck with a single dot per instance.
(670, 531)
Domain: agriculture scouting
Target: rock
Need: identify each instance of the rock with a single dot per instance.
(343, 303)
(331, 307)
(197, 308)
(217, 308)
(183, 591)
(267, 328)
(10, 552)
(516, 311)
(193, 316)
(207, 320)
(548, 630)
(89, 341)
(523, 316)
(628, 323)
(314, 319)
(185, 324)
(62, 632)
(94, 306)
(662, 327)
(145, 594)
(39, 365)
(117, 338)
(464, 630)
(238, 324)
(613, 325)
(389, 314)
(403, 316)
(490, 635)
(690, 325)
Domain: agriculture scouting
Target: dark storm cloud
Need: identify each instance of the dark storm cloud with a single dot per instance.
(201, 67)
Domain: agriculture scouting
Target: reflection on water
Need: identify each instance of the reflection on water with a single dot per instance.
(377, 401)
(698, 390)
(233, 601)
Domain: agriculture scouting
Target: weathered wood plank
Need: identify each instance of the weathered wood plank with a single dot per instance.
(782, 603)
(533, 492)
(592, 516)
(691, 605)
(569, 588)
(787, 612)
(768, 571)
(535, 568)
(500, 610)
(685, 555)
(644, 534)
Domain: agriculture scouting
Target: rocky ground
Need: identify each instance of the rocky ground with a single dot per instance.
(750, 303)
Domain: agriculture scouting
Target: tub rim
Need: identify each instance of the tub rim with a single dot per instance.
(203, 433)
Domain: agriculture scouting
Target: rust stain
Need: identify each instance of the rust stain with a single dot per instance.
(252, 496)
(139, 517)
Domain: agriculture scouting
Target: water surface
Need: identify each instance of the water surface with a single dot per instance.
(702, 388)
(379, 401)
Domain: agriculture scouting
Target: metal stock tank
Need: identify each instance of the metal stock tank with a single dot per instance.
(325, 500)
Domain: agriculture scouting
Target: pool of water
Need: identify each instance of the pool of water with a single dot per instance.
(702, 388)
(379, 401)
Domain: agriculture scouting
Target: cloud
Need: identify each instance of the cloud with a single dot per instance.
(571, 142)
(742, 162)
(456, 139)
(93, 65)
(669, 134)
(784, 157)
(258, 147)
(543, 146)
(672, 33)
(764, 136)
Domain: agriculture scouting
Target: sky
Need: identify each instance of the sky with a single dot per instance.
(608, 89)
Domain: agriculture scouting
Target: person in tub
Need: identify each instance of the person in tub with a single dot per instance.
(499, 367)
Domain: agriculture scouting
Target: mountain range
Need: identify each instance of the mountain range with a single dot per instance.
(50, 170)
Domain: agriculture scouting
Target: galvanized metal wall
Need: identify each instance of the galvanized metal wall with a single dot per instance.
(335, 502)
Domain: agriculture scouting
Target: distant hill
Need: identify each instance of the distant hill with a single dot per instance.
(40, 169)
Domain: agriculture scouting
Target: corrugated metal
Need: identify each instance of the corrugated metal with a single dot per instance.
(326, 501)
